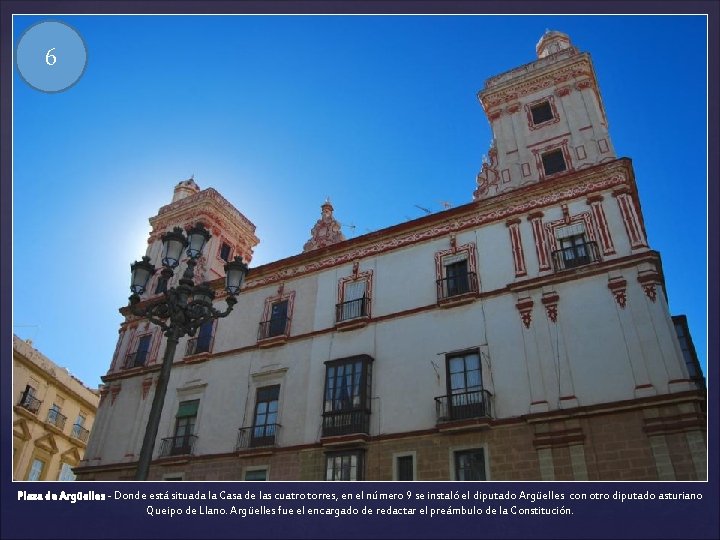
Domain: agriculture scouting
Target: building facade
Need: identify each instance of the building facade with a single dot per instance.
(525, 335)
(53, 414)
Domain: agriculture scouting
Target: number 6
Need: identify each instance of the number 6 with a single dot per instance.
(49, 57)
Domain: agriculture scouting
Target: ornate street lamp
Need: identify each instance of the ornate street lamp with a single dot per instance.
(180, 312)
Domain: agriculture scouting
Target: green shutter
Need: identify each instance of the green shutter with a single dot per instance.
(188, 408)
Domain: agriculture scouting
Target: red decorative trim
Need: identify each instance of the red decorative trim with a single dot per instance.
(505, 174)
(563, 91)
(513, 108)
(528, 111)
(114, 391)
(517, 248)
(618, 286)
(603, 146)
(146, 384)
(468, 248)
(269, 301)
(580, 152)
(526, 169)
(567, 219)
(541, 247)
(582, 85)
(357, 276)
(606, 243)
(538, 153)
(525, 306)
(630, 219)
(649, 280)
(494, 115)
(550, 301)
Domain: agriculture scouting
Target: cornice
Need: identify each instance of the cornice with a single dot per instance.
(564, 71)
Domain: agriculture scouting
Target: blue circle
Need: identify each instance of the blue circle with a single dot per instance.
(51, 56)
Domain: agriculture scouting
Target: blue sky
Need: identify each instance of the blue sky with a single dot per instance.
(278, 112)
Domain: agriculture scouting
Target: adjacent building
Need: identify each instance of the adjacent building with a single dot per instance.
(525, 335)
(53, 413)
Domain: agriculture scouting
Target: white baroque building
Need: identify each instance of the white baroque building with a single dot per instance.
(525, 335)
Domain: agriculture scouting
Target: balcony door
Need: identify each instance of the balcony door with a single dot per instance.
(456, 275)
(465, 399)
(278, 318)
(266, 412)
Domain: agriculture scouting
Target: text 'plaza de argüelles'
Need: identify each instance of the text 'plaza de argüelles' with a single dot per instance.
(524, 335)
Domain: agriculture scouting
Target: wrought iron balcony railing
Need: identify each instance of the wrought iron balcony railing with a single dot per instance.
(463, 405)
(29, 403)
(457, 285)
(346, 423)
(197, 345)
(257, 436)
(273, 328)
(80, 433)
(56, 418)
(574, 256)
(352, 309)
(135, 359)
(177, 446)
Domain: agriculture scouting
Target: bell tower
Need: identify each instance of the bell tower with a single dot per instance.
(232, 233)
(547, 119)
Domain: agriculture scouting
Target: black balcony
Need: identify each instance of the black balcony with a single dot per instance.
(574, 256)
(353, 309)
(136, 359)
(30, 403)
(463, 406)
(458, 285)
(177, 446)
(257, 436)
(346, 423)
(273, 328)
(197, 345)
(55, 418)
(80, 433)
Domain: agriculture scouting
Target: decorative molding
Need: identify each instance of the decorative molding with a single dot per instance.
(550, 301)
(618, 287)
(649, 280)
(528, 112)
(517, 247)
(525, 306)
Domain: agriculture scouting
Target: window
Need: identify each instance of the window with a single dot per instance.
(470, 465)
(354, 302)
(79, 431)
(66, 473)
(203, 341)
(36, 470)
(346, 407)
(344, 466)
(405, 467)
(278, 318)
(553, 162)
(266, 411)
(183, 438)
(466, 397)
(542, 112)
(456, 276)
(162, 284)
(276, 325)
(256, 475)
(28, 400)
(225, 252)
(55, 417)
(139, 357)
(574, 250)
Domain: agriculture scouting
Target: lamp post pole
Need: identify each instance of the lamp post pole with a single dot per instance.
(180, 311)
